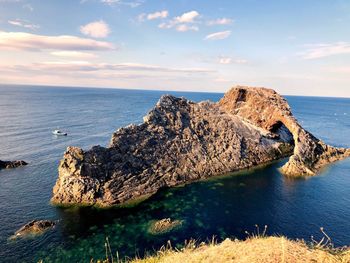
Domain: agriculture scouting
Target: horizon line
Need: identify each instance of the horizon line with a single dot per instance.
(165, 90)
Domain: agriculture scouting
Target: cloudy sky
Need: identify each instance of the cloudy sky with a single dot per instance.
(296, 47)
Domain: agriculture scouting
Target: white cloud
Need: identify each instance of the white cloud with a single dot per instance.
(73, 54)
(33, 42)
(181, 22)
(218, 35)
(131, 4)
(220, 21)
(228, 60)
(88, 66)
(23, 23)
(225, 60)
(165, 25)
(97, 29)
(316, 51)
(156, 15)
(184, 28)
(187, 17)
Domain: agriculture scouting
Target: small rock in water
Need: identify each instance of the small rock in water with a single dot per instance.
(35, 227)
(164, 225)
(11, 164)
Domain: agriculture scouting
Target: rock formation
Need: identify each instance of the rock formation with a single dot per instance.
(181, 141)
(35, 227)
(164, 226)
(11, 164)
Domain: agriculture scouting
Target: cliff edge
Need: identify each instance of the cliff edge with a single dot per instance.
(181, 141)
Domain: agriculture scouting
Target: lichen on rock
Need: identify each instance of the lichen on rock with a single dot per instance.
(182, 141)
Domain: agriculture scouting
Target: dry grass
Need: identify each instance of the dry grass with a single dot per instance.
(257, 248)
(254, 249)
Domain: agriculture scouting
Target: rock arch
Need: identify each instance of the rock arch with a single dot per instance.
(265, 108)
(181, 141)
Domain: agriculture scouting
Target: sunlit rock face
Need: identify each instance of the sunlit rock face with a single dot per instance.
(181, 141)
(267, 109)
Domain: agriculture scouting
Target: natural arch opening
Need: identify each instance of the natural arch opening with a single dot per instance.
(283, 133)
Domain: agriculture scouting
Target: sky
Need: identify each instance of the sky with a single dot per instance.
(299, 47)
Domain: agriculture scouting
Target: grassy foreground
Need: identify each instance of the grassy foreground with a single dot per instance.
(254, 249)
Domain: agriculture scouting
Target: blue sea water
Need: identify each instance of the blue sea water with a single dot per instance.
(224, 206)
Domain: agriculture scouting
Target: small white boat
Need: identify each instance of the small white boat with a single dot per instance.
(59, 133)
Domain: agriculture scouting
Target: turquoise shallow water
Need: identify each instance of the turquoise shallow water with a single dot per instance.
(224, 207)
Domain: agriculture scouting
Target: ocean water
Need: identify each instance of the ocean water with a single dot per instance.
(221, 207)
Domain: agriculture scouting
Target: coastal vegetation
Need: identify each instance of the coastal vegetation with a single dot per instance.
(258, 247)
(253, 250)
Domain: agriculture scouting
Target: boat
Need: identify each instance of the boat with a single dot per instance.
(59, 133)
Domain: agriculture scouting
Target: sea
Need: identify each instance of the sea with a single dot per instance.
(230, 206)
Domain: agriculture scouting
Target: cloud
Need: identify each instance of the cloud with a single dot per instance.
(187, 17)
(96, 29)
(229, 60)
(184, 28)
(225, 60)
(33, 42)
(82, 66)
(218, 35)
(315, 51)
(181, 22)
(220, 21)
(131, 4)
(23, 23)
(156, 15)
(73, 54)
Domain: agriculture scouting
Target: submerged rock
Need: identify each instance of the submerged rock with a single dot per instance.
(181, 141)
(163, 226)
(35, 227)
(11, 164)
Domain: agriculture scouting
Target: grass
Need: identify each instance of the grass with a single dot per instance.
(256, 248)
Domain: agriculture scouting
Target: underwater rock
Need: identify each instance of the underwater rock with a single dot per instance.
(35, 227)
(163, 226)
(181, 141)
(11, 164)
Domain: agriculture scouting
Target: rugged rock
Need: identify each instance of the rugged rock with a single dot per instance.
(164, 226)
(181, 141)
(266, 109)
(11, 164)
(35, 227)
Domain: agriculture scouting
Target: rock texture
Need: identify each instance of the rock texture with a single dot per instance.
(181, 141)
(35, 227)
(164, 226)
(11, 164)
(268, 110)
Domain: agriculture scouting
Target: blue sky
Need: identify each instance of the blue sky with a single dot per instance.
(295, 47)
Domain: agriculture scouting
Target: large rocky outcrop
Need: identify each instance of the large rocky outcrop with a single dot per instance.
(181, 141)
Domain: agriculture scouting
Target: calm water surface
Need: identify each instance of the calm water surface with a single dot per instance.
(225, 207)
